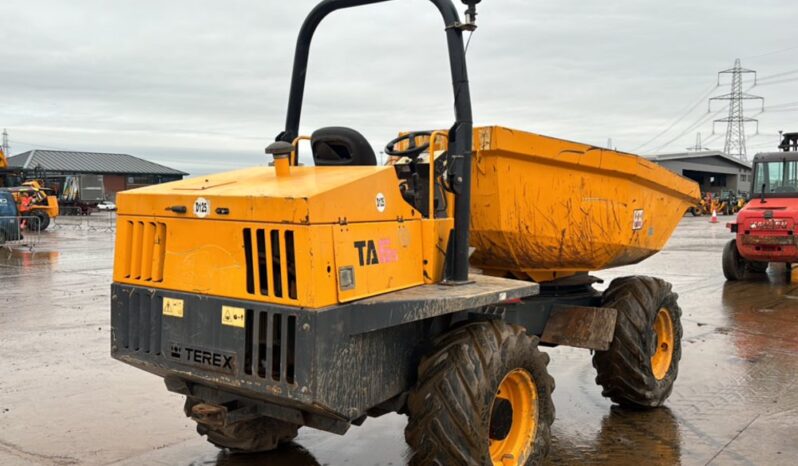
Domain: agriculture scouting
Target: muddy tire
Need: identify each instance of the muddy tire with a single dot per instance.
(696, 211)
(734, 265)
(456, 417)
(252, 436)
(642, 363)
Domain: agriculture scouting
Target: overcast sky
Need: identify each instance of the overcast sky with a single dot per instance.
(202, 86)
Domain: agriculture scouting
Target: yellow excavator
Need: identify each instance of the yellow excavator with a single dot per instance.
(285, 296)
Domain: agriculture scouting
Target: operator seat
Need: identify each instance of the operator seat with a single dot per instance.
(338, 146)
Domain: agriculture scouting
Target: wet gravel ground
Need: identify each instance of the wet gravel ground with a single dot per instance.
(64, 401)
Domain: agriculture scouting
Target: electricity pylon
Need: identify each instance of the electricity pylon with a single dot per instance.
(735, 128)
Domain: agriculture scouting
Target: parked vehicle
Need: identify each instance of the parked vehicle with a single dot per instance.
(9, 218)
(35, 204)
(106, 206)
(765, 228)
(81, 194)
(288, 296)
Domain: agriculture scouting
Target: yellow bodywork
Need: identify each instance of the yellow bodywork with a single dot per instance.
(3, 160)
(542, 208)
(279, 239)
(545, 208)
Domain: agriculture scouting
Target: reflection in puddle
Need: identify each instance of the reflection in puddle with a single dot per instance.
(28, 259)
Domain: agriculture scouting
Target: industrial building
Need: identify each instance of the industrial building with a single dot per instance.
(117, 171)
(713, 170)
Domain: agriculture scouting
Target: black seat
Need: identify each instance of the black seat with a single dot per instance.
(337, 146)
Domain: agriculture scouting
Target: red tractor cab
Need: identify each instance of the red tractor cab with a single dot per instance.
(766, 227)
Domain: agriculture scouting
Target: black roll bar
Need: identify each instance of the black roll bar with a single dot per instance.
(460, 134)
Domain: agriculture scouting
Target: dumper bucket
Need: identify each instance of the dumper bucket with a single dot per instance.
(545, 208)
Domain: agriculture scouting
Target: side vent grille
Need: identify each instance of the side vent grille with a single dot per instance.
(140, 329)
(270, 346)
(145, 252)
(271, 263)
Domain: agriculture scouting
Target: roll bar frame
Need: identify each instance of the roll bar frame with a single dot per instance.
(460, 134)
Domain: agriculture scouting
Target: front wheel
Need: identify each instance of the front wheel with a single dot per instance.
(734, 265)
(483, 398)
(642, 363)
(39, 221)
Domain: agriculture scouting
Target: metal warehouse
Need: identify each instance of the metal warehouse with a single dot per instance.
(713, 170)
(117, 172)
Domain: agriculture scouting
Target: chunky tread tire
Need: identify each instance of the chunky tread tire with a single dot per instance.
(252, 436)
(734, 265)
(450, 406)
(624, 371)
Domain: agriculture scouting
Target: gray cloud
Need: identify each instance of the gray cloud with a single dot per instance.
(203, 85)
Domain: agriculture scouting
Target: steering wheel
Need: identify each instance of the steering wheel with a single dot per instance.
(412, 151)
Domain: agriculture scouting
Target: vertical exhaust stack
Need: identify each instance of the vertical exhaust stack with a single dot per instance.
(281, 151)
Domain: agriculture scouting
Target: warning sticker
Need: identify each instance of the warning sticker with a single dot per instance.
(173, 307)
(233, 316)
(637, 223)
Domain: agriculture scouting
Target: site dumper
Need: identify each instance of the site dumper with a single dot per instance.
(288, 296)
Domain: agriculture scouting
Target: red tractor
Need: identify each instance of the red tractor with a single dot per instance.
(766, 226)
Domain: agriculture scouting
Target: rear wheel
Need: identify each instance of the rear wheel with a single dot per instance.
(250, 436)
(696, 211)
(734, 264)
(642, 363)
(483, 398)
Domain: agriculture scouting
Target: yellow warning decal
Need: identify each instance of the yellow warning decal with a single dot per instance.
(173, 307)
(233, 316)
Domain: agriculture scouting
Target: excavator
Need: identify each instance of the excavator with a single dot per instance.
(291, 295)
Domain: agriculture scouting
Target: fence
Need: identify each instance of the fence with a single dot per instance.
(97, 221)
(22, 231)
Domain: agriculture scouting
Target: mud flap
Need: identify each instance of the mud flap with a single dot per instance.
(580, 326)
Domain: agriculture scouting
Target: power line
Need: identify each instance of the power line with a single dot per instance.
(777, 75)
(770, 83)
(774, 52)
(690, 110)
(15, 141)
(703, 119)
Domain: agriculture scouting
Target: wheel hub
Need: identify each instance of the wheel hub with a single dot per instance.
(514, 417)
(662, 354)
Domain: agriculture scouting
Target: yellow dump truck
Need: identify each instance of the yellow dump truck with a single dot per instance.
(286, 296)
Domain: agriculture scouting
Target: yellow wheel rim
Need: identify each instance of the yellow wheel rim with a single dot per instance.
(519, 390)
(663, 354)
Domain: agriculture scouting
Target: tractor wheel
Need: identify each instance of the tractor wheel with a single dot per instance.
(734, 264)
(696, 211)
(39, 222)
(642, 363)
(483, 397)
(252, 436)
